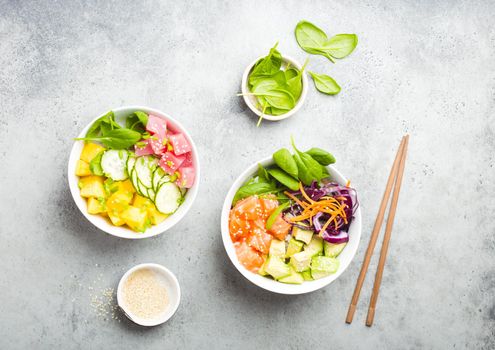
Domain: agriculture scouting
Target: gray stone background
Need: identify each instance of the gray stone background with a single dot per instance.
(421, 67)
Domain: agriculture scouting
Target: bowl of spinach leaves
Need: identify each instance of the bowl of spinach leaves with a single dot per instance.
(274, 87)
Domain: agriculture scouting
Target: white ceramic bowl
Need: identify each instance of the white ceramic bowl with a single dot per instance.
(169, 281)
(122, 231)
(251, 100)
(269, 284)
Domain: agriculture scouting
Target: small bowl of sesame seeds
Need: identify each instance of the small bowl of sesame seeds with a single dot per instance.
(148, 294)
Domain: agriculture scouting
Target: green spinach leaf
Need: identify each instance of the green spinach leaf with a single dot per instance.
(341, 45)
(117, 138)
(284, 178)
(137, 121)
(283, 158)
(321, 156)
(312, 39)
(309, 170)
(252, 189)
(325, 83)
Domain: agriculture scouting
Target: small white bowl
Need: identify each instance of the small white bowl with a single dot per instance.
(122, 231)
(251, 100)
(173, 290)
(345, 257)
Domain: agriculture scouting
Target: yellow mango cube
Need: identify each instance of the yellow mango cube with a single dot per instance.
(116, 204)
(155, 216)
(141, 202)
(96, 206)
(136, 218)
(91, 150)
(82, 168)
(115, 218)
(92, 186)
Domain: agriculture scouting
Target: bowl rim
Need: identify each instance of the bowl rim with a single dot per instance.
(249, 102)
(272, 285)
(122, 231)
(167, 315)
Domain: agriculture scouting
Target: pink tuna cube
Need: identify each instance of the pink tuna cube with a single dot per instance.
(186, 177)
(157, 126)
(179, 143)
(144, 150)
(170, 162)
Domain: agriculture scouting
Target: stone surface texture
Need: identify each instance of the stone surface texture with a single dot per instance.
(426, 68)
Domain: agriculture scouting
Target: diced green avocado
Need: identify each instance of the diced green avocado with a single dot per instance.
(300, 261)
(322, 266)
(333, 250)
(277, 248)
(294, 278)
(294, 247)
(276, 267)
(262, 271)
(315, 247)
(302, 235)
(307, 275)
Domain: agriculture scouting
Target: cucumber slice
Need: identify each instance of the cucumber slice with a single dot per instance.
(159, 178)
(151, 194)
(114, 163)
(135, 181)
(142, 189)
(131, 160)
(144, 167)
(168, 198)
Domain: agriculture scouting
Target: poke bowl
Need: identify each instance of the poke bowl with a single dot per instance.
(134, 172)
(307, 263)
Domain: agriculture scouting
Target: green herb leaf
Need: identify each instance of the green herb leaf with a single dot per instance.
(117, 138)
(263, 174)
(312, 39)
(267, 66)
(284, 178)
(341, 45)
(280, 98)
(291, 73)
(273, 216)
(102, 125)
(252, 189)
(137, 121)
(283, 158)
(325, 83)
(321, 156)
(95, 164)
(309, 169)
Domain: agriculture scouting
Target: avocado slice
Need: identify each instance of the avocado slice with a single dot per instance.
(322, 266)
(294, 247)
(294, 278)
(307, 275)
(315, 247)
(262, 271)
(302, 235)
(276, 267)
(277, 248)
(300, 261)
(333, 250)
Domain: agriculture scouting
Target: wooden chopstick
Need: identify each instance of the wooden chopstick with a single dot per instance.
(374, 233)
(386, 238)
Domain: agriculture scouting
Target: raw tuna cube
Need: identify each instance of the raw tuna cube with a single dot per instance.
(179, 143)
(145, 150)
(157, 126)
(170, 162)
(157, 146)
(188, 161)
(186, 177)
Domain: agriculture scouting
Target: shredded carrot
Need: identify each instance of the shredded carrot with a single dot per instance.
(348, 183)
(328, 205)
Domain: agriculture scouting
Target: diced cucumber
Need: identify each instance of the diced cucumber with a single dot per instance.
(114, 164)
(332, 250)
(144, 167)
(168, 198)
(322, 266)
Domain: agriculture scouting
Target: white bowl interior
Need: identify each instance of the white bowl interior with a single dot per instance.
(168, 279)
(251, 100)
(103, 223)
(269, 284)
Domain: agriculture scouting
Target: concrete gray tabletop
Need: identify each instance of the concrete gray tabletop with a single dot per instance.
(423, 68)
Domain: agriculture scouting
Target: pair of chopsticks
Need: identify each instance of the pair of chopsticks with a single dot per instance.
(394, 180)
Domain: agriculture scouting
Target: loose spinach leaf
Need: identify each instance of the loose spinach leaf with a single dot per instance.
(252, 189)
(95, 164)
(321, 156)
(117, 138)
(137, 121)
(341, 45)
(312, 39)
(284, 178)
(325, 83)
(273, 216)
(283, 158)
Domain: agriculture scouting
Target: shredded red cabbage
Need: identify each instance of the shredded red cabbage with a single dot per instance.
(333, 233)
